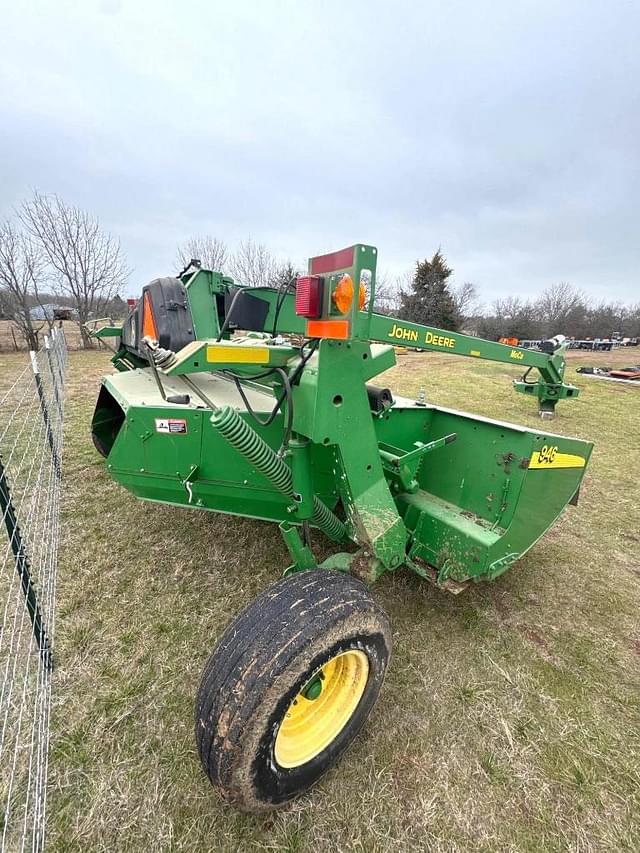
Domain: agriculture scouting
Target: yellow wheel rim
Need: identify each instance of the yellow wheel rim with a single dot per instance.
(322, 709)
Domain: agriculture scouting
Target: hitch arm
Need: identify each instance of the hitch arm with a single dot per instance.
(549, 388)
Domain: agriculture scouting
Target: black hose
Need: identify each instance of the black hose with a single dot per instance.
(227, 319)
(287, 381)
(279, 402)
(282, 295)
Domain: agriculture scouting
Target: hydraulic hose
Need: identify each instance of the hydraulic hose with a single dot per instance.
(255, 450)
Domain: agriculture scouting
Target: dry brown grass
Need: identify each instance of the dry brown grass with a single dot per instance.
(10, 336)
(509, 719)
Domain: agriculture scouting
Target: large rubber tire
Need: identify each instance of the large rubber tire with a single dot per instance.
(265, 659)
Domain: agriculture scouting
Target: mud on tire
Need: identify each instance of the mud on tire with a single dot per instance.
(289, 687)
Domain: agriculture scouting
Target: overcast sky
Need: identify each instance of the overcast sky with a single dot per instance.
(506, 132)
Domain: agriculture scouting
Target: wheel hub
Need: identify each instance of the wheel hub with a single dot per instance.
(322, 709)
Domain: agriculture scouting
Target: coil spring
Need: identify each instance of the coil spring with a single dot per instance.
(247, 442)
(164, 358)
(256, 451)
(328, 521)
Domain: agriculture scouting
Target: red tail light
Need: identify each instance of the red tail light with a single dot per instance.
(309, 296)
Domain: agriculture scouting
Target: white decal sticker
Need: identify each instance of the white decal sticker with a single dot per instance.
(171, 426)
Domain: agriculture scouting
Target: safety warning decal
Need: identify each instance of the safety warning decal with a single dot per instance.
(173, 426)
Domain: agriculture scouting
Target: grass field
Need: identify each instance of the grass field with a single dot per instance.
(10, 337)
(510, 717)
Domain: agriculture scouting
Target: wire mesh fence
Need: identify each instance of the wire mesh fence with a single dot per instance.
(12, 340)
(31, 417)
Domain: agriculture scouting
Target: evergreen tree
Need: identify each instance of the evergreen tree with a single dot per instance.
(430, 300)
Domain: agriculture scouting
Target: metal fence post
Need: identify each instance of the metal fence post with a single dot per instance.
(54, 378)
(45, 413)
(56, 354)
(23, 568)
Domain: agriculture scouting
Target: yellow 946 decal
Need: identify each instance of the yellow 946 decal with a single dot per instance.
(549, 457)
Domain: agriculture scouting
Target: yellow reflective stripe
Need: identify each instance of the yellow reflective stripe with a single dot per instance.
(238, 355)
(556, 460)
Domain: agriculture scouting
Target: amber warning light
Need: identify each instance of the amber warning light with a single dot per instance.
(343, 294)
(309, 296)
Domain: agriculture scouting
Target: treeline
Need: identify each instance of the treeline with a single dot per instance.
(54, 252)
(428, 297)
(250, 263)
(560, 309)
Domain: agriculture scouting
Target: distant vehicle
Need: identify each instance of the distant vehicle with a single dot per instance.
(597, 344)
(51, 312)
(64, 314)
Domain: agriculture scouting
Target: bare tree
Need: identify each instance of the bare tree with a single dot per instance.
(285, 276)
(254, 265)
(511, 317)
(85, 263)
(21, 265)
(387, 298)
(211, 252)
(560, 307)
(402, 284)
(5, 304)
(466, 298)
(605, 319)
(631, 323)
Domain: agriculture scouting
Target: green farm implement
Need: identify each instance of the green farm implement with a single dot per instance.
(259, 402)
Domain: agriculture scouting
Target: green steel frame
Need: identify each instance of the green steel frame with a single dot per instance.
(454, 497)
